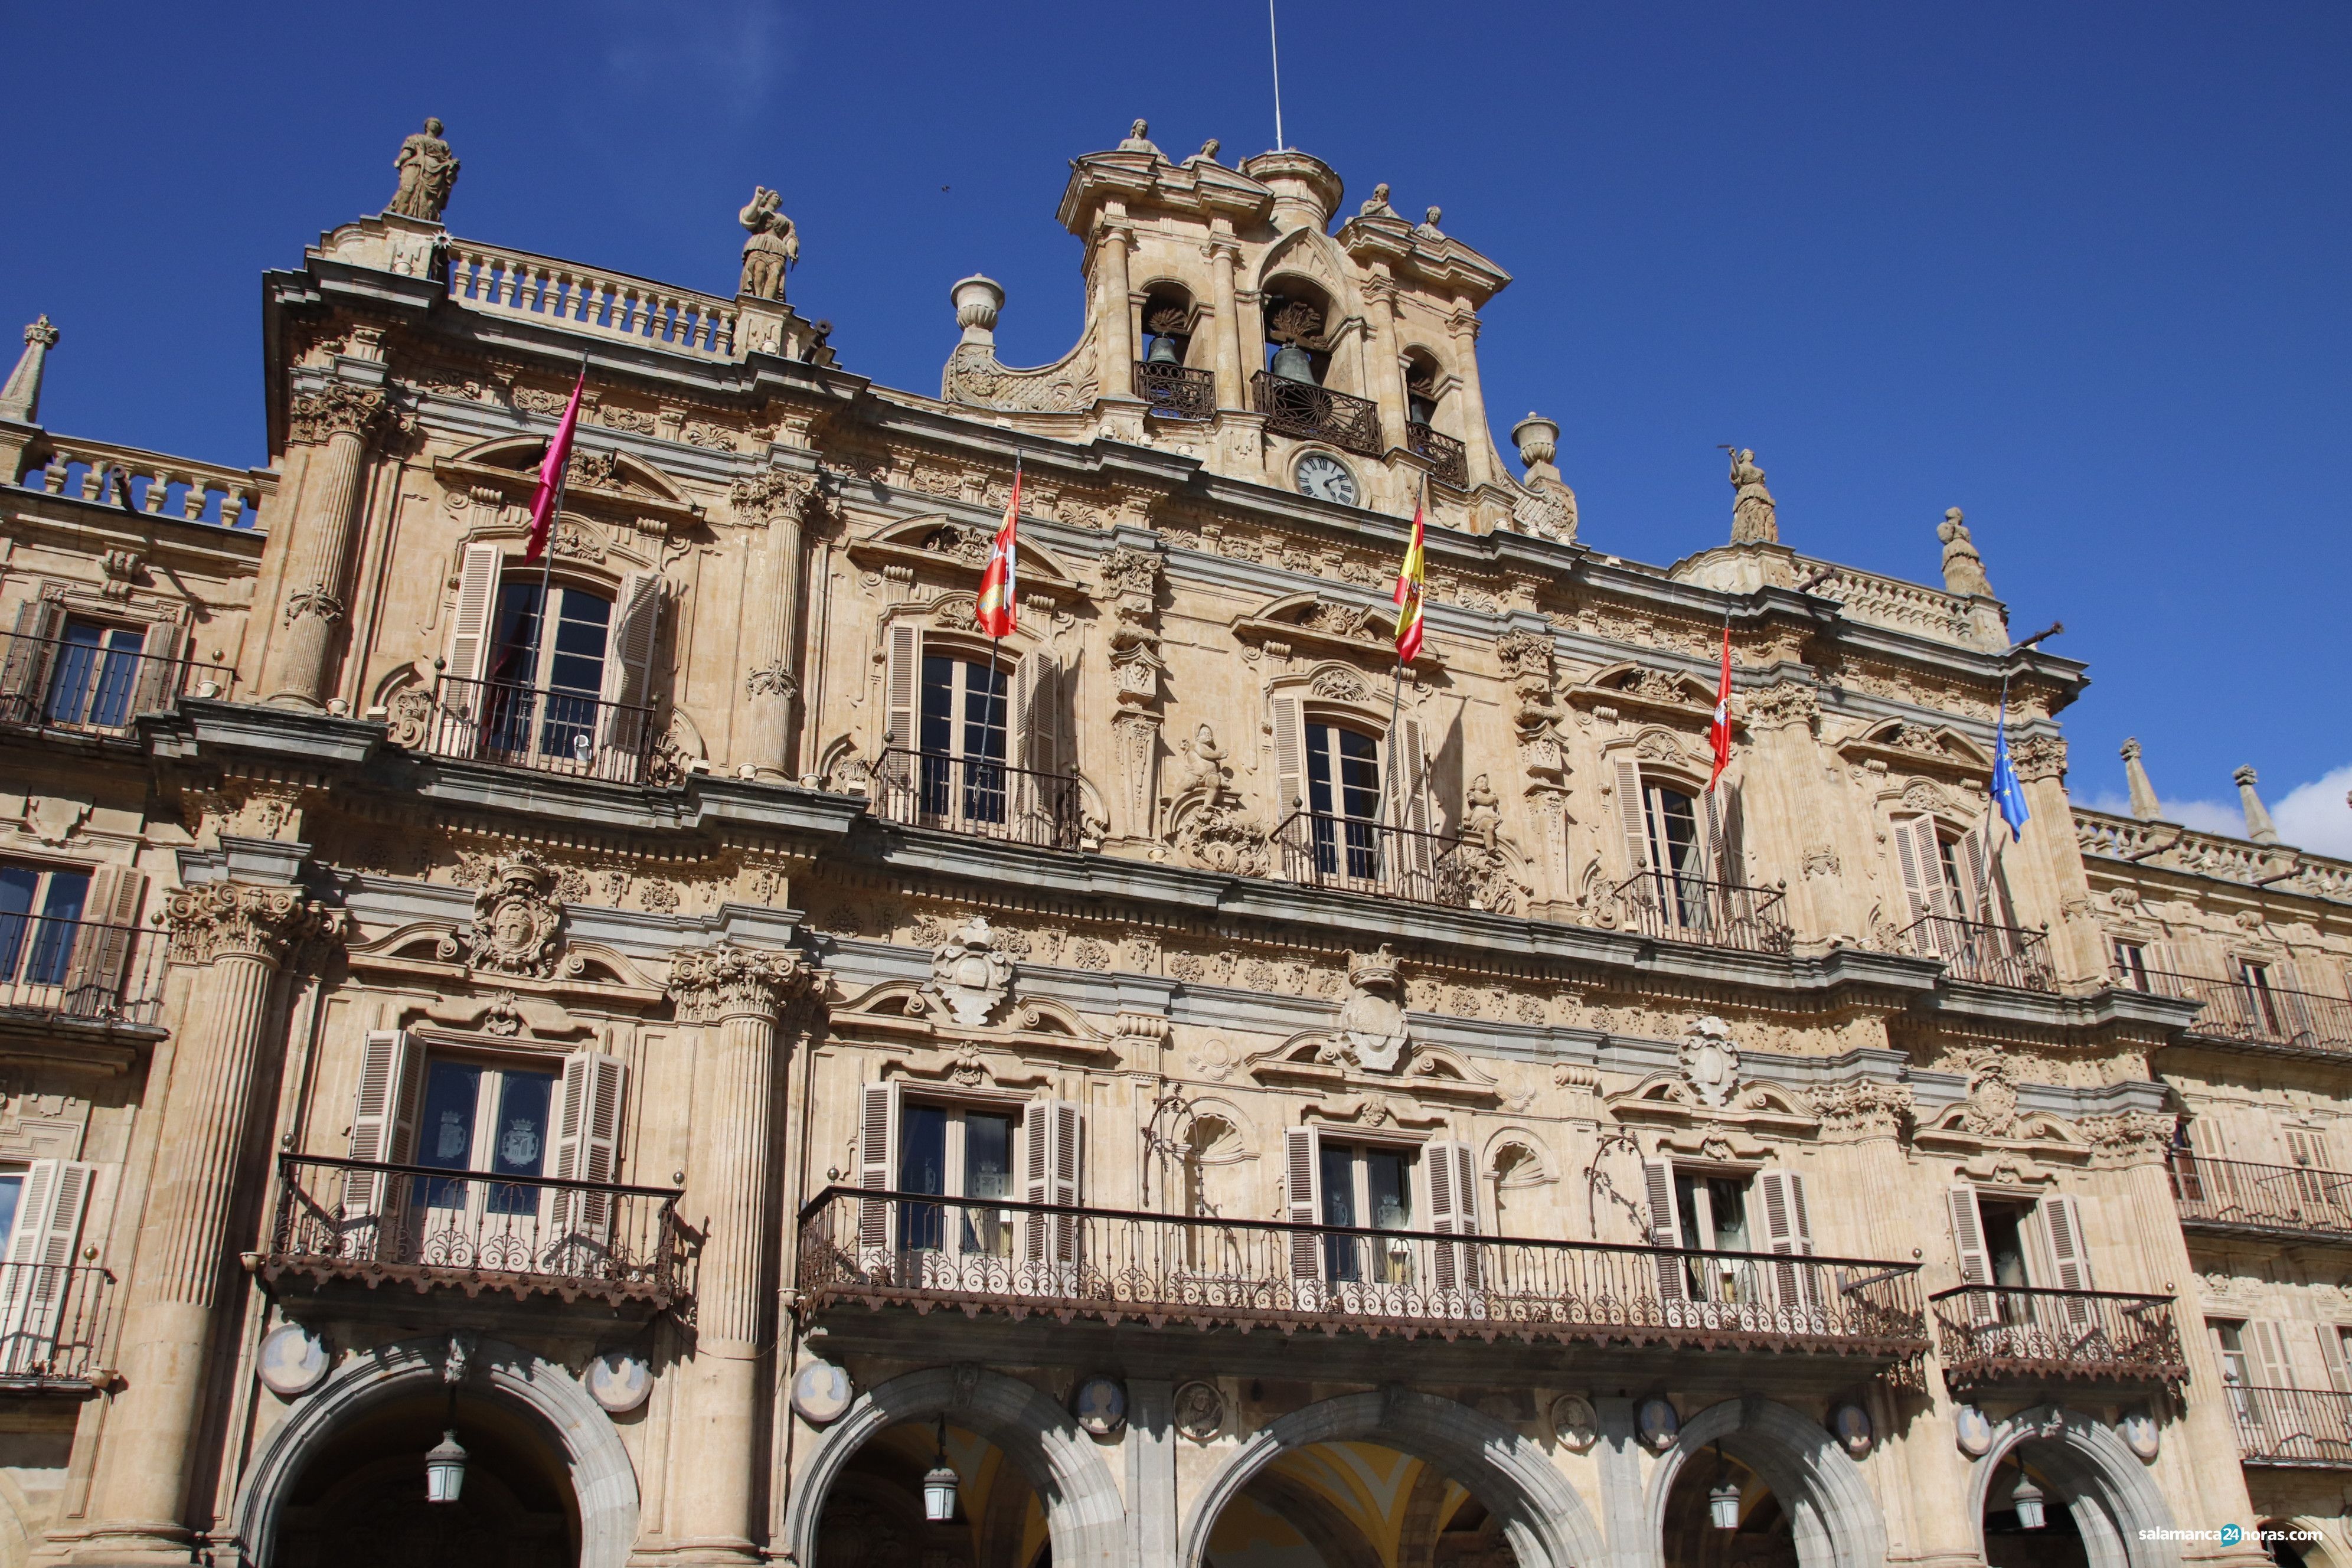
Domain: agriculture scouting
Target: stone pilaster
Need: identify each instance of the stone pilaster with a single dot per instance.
(1477, 442)
(340, 419)
(1233, 389)
(1114, 341)
(772, 503)
(235, 937)
(1384, 381)
(740, 996)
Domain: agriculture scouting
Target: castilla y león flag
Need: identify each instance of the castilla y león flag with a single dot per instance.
(548, 500)
(993, 608)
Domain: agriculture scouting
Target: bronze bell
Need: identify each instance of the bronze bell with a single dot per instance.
(1292, 362)
(1163, 351)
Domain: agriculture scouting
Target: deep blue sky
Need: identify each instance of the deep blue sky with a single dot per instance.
(2078, 269)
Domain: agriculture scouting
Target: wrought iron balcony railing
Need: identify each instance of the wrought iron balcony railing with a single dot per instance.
(1986, 954)
(2254, 1012)
(977, 796)
(2304, 1428)
(1449, 461)
(878, 1249)
(2279, 1200)
(95, 689)
(81, 969)
(1348, 853)
(1178, 391)
(549, 731)
(1313, 412)
(1674, 908)
(358, 1219)
(54, 1319)
(1992, 1334)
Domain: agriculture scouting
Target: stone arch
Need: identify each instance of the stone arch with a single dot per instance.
(1834, 1518)
(603, 1480)
(1084, 1513)
(2110, 1495)
(1508, 1472)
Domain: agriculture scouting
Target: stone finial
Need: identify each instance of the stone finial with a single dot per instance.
(977, 301)
(1538, 439)
(2259, 826)
(1754, 514)
(1964, 569)
(428, 172)
(21, 398)
(2143, 803)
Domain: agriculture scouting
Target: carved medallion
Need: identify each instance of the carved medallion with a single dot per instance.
(1371, 1020)
(1200, 1412)
(517, 919)
(1710, 1062)
(971, 975)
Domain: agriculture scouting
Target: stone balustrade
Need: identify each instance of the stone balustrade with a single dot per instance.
(516, 283)
(160, 486)
(1889, 602)
(2180, 848)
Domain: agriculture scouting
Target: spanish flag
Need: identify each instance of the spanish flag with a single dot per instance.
(993, 609)
(1413, 578)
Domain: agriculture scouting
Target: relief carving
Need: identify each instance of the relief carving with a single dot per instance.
(518, 921)
(972, 974)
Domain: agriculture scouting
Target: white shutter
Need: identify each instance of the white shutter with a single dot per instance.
(2331, 1356)
(1666, 1231)
(40, 1261)
(25, 673)
(1035, 745)
(1410, 807)
(878, 1170)
(1919, 859)
(1726, 849)
(478, 596)
(1629, 819)
(1968, 1247)
(1453, 1170)
(384, 1118)
(2066, 1250)
(1290, 766)
(625, 732)
(2274, 1368)
(586, 1148)
(1788, 1233)
(102, 950)
(1050, 1151)
(2216, 1172)
(1302, 1202)
(159, 667)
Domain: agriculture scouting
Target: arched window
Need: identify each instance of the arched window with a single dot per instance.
(1297, 318)
(1163, 378)
(1420, 389)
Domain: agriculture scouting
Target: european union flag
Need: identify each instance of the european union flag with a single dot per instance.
(2008, 790)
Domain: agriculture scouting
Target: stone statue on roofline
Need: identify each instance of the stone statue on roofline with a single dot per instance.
(1138, 138)
(1754, 514)
(1964, 569)
(1377, 204)
(772, 250)
(428, 172)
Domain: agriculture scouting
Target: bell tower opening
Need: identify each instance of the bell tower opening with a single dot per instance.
(1297, 316)
(1167, 325)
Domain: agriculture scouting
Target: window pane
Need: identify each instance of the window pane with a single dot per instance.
(515, 650)
(983, 711)
(1318, 767)
(1359, 777)
(582, 620)
(445, 1139)
(68, 894)
(12, 1188)
(922, 1168)
(1342, 1255)
(987, 1173)
(1729, 1200)
(18, 886)
(53, 937)
(521, 1148)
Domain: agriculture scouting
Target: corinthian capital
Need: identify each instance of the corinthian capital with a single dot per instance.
(712, 983)
(770, 494)
(335, 409)
(236, 920)
(2039, 756)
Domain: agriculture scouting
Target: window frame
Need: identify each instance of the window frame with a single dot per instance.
(20, 946)
(960, 1240)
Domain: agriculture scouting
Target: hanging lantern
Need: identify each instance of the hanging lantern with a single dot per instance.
(2029, 1500)
(1723, 1506)
(940, 1483)
(444, 1470)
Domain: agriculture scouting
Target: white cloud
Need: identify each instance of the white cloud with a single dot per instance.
(2311, 817)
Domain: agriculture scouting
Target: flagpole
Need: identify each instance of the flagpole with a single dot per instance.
(547, 551)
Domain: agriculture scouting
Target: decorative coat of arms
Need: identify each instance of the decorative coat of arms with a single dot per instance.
(1710, 1061)
(971, 975)
(1371, 1021)
(516, 921)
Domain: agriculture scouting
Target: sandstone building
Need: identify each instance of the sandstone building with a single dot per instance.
(1168, 1086)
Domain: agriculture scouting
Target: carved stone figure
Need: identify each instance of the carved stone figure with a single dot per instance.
(775, 245)
(1208, 152)
(971, 975)
(1138, 138)
(1964, 570)
(517, 919)
(1377, 204)
(1710, 1061)
(1371, 1020)
(1204, 771)
(1199, 1411)
(1752, 509)
(1482, 813)
(1427, 228)
(428, 172)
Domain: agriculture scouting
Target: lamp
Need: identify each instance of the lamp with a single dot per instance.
(444, 1470)
(939, 1484)
(2028, 1499)
(1722, 1498)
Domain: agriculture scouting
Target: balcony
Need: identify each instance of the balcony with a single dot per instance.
(551, 732)
(1311, 413)
(85, 970)
(1713, 914)
(1988, 954)
(1449, 461)
(2300, 1429)
(980, 797)
(2254, 1012)
(1176, 391)
(1354, 856)
(54, 1319)
(1992, 1337)
(884, 1249)
(89, 688)
(2238, 1197)
(377, 1224)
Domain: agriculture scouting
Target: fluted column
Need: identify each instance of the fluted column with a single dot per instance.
(739, 994)
(771, 503)
(1233, 382)
(1477, 441)
(237, 937)
(339, 418)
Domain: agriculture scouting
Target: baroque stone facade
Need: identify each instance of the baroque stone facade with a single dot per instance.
(1151, 1067)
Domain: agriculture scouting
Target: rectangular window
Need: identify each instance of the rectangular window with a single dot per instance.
(1713, 1213)
(2255, 978)
(1343, 792)
(12, 1194)
(545, 695)
(487, 1120)
(1678, 856)
(1367, 1187)
(38, 909)
(95, 677)
(2131, 964)
(960, 731)
(956, 1152)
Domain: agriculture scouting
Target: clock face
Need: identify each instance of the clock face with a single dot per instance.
(1326, 479)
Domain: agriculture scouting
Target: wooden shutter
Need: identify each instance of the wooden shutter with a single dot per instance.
(2065, 1247)
(903, 688)
(384, 1128)
(2331, 1356)
(1727, 856)
(2291, 996)
(102, 950)
(587, 1144)
(625, 733)
(1969, 1248)
(1290, 764)
(2274, 1368)
(159, 667)
(1453, 1170)
(1666, 1231)
(1050, 1151)
(1788, 1233)
(1302, 1202)
(1630, 817)
(1919, 859)
(478, 597)
(1411, 809)
(24, 672)
(878, 1168)
(40, 1261)
(1034, 746)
